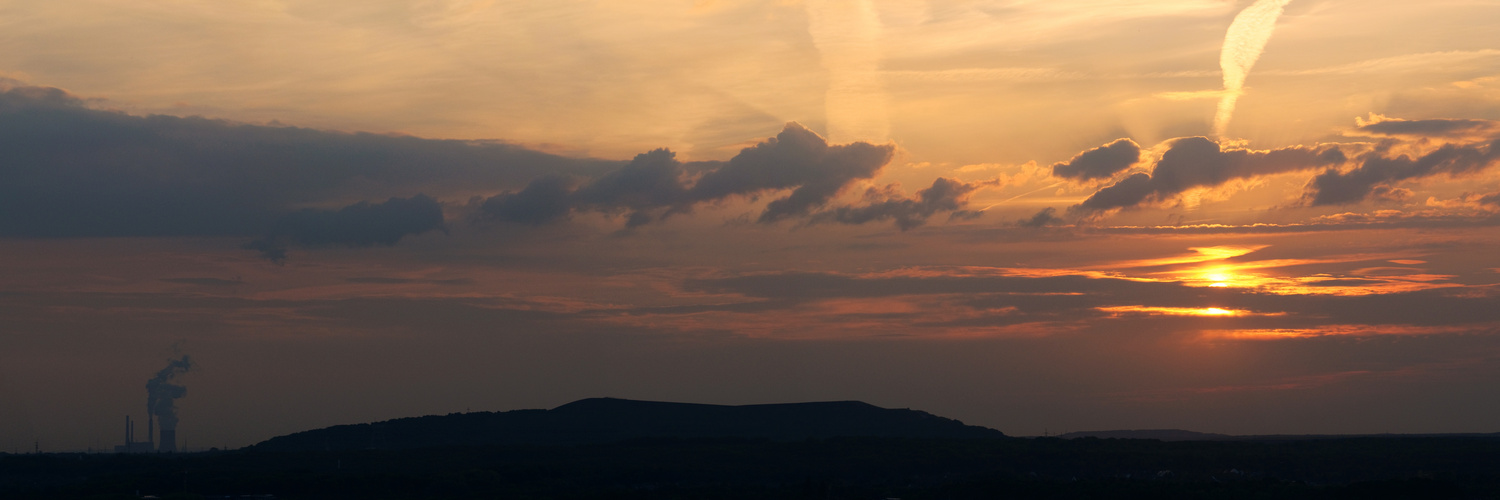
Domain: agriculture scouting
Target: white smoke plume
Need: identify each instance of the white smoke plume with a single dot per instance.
(162, 394)
(1243, 44)
(847, 34)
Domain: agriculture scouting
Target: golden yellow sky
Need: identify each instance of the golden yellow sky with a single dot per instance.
(1240, 216)
(964, 81)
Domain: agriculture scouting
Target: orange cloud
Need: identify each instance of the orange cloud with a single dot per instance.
(1182, 311)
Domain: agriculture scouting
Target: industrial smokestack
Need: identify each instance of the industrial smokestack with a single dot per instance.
(161, 401)
(131, 446)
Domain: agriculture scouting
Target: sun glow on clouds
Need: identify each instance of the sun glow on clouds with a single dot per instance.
(1227, 267)
(1200, 254)
(1207, 267)
(1181, 311)
(1357, 282)
(1344, 330)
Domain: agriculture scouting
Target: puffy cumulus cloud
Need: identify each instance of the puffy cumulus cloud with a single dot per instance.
(1102, 162)
(362, 224)
(1194, 162)
(1198, 162)
(888, 203)
(656, 185)
(1383, 126)
(543, 200)
(652, 182)
(1412, 150)
(1045, 217)
(1375, 174)
(798, 158)
(68, 169)
(1129, 192)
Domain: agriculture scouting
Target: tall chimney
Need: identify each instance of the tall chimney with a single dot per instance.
(150, 432)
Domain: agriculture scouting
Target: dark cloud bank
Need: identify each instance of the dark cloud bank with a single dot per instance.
(71, 170)
(1376, 173)
(67, 170)
(359, 225)
(1445, 128)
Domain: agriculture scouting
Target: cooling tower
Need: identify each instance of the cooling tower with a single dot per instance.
(168, 441)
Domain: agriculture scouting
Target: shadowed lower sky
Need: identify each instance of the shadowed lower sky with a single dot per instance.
(1033, 216)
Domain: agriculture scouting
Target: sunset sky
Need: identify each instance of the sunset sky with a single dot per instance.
(1234, 216)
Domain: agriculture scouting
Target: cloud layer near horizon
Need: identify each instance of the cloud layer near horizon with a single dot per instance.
(655, 185)
(1348, 173)
(75, 171)
(78, 171)
(1199, 162)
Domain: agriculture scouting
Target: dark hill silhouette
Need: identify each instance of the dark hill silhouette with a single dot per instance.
(602, 420)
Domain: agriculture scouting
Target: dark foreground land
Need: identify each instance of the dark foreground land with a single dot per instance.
(841, 468)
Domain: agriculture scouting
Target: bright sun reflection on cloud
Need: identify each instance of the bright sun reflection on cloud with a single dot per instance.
(1200, 254)
(1176, 311)
(1222, 276)
(1259, 275)
(1217, 277)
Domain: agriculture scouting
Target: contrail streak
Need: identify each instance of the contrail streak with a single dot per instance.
(1022, 195)
(847, 35)
(1243, 44)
